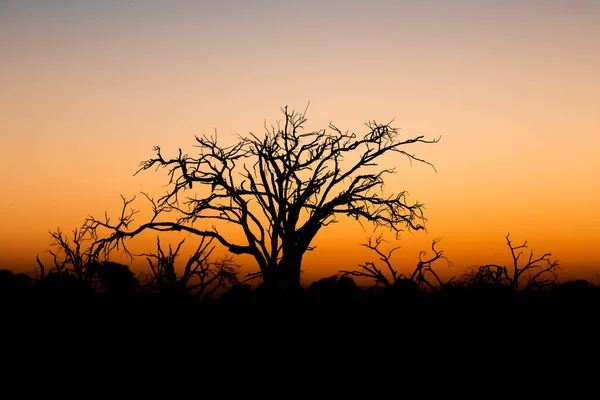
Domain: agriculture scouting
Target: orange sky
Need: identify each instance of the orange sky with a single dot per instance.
(513, 87)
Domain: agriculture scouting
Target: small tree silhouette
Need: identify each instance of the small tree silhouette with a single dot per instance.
(72, 257)
(200, 275)
(423, 276)
(536, 273)
(279, 190)
(81, 260)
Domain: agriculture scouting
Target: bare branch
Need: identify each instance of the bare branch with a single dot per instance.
(420, 275)
(535, 274)
(200, 275)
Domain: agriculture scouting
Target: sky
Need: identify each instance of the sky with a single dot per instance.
(511, 87)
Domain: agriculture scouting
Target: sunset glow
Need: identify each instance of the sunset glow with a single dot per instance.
(512, 88)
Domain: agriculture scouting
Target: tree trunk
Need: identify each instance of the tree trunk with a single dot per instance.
(272, 281)
(292, 275)
(285, 276)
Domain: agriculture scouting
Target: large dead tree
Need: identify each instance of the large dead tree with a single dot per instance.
(279, 189)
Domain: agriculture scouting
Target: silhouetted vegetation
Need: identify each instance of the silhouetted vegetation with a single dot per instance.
(535, 274)
(291, 184)
(201, 277)
(423, 276)
(205, 284)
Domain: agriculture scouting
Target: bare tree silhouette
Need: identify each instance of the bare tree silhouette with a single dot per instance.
(423, 276)
(72, 257)
(201, 276)
(80, 262)
(279, 190)
(536, 273)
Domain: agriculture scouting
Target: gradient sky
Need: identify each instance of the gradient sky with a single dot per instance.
(88, 87)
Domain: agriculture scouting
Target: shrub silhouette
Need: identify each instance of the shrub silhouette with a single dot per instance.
(114, 278)
(336, 289)
(12, 284)
(579, 290)
(63, 286)
(8, 280)
(404, 288)
(239, 295)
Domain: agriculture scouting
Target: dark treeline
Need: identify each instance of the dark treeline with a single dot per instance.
(79, 285)
(338, 294)
(332, 319)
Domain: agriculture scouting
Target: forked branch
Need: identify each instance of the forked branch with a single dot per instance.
(423, 274)
(536, 273)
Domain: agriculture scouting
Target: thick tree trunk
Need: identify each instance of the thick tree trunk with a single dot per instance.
(272, 281)
(285, 276)
(293, 273)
